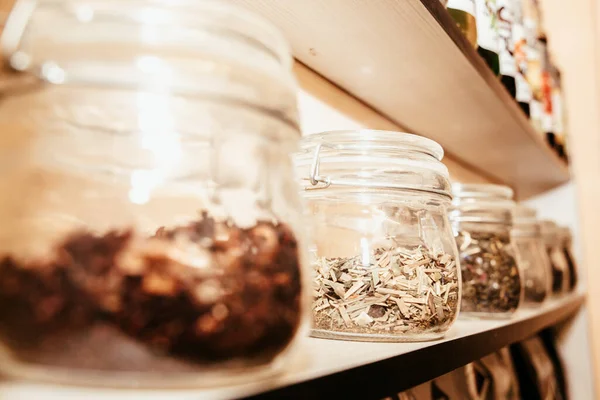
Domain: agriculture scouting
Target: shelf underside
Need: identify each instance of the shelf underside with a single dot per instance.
(408, 60)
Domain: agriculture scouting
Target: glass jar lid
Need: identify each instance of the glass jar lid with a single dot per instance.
(474, 202)
(565, 233)
(549, 232)
(196, 48)
(372, 159)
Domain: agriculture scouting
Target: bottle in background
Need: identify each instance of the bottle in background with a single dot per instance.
(534, 52)
(463, 13)
(506, 48)
(558, 113)
(547, 94)
(523, 88)
(487, 33)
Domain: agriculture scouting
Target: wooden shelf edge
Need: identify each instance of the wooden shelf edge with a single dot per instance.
(325, 369)
(408, 61)
(381, 378)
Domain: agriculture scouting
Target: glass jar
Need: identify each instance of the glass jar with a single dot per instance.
(384, 258)
(558, 262)
(151, 224)
(567, 245)
(531, 255)
(482, 220)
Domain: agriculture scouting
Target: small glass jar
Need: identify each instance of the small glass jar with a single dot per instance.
(558, 261)
(482, 220)
(531, 255)
(151, 222)
(384, 257)
(566, 238)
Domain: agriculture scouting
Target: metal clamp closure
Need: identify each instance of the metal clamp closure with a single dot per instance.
(316, 180)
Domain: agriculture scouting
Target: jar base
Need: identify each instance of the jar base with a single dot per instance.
(221, 374)
(471, 315)
(364, 337)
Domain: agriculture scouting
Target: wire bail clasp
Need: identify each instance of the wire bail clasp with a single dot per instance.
(314, 173)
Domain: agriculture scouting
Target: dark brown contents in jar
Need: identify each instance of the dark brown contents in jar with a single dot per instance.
(205, 292)
(490, 276)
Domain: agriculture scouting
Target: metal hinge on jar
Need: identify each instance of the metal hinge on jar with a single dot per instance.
(317, 181)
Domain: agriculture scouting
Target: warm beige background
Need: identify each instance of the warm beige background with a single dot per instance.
(574, 36)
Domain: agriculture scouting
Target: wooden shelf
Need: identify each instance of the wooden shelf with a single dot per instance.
(408, 60)
(336, 369)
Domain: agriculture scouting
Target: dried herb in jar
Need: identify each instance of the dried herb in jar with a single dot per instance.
(195, 294)
(490, 276)
(391, 291)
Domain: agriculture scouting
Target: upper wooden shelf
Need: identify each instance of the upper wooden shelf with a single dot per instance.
(408, 60)
(332, 369)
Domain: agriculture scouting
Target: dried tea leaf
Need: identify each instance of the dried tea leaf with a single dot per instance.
(398, 291)
(363, 319)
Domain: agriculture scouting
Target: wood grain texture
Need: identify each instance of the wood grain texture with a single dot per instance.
(407, 60)
(341, 102)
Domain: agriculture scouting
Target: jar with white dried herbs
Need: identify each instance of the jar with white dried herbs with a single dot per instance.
(482, 221)
(531, 255)
(383, 253)
(151, 222)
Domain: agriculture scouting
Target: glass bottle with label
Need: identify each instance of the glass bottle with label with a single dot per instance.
(523, 88)
(534, 55)
(504, 21)
(463, 13)
(558, 112)
(547, 89)
(487, 33)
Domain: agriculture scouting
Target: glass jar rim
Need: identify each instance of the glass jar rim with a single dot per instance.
(233, 20)
(374, 139)
(483, 191)
(486, 203)
(373, 159)
(524, 215)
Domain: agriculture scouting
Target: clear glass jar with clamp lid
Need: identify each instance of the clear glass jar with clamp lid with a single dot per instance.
(384, 257)
(531, 255)
(150, 216)
(482, 221)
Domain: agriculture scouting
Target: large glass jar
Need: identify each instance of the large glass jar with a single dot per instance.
(384, 258)
(531, 255)
(482, 220)
(566, 239)
(150, 218)
(558, 262)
